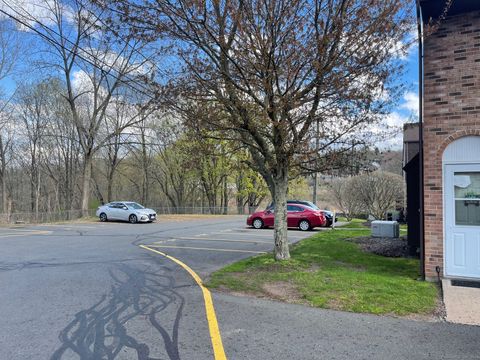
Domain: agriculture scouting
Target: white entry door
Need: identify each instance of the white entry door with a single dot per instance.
(462, 220)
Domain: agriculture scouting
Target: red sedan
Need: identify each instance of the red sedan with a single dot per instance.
(298, 215)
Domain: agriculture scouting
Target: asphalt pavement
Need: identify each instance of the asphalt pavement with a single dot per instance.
(88, 291)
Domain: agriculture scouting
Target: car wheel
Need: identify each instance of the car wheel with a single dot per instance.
(304, 225)
(257, 223)
(103, 217)
(132, 218)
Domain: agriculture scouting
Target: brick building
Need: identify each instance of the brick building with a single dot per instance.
(450, 139)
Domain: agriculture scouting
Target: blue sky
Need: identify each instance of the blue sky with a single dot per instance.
(406, 110)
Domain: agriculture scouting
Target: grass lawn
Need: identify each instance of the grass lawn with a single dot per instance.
(354, 223)
(359, 223)
(327, 271)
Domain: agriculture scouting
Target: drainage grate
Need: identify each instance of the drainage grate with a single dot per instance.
(466, 283)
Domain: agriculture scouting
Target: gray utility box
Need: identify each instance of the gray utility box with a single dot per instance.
(389, 229)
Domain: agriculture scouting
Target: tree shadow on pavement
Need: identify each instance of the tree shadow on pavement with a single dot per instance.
(100, 332)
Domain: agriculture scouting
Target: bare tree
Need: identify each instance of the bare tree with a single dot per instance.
(62, 165)
(35, 114)
(9, 54)
(9, 48)
(379, 192)
(95, 68)
(7, 136)
(143, 151)
(345, 197)
(122, 141)
(264, 72)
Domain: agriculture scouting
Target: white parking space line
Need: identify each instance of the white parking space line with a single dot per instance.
(245, 230)
(219, 240)
(206, 249)
(259, 231)
(291, 231)
(254, 235)
(22, 230)
(68, 226)
(29, 233)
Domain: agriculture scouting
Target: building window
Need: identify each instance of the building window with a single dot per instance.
(467, 198)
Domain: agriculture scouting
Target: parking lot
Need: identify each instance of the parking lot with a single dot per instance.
(89, 291)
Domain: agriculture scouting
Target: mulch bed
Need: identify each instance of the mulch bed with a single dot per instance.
(383, 246)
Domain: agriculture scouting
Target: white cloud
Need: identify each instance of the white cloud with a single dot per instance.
(81, 81)
(33, 12)
(29, 11)
(411, 42)
(395, 120)
(392, 127)
(398, 49)
(410, 102)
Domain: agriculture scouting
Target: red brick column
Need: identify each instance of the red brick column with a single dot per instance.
(451, 111)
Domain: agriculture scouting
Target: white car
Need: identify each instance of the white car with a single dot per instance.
(126, 211)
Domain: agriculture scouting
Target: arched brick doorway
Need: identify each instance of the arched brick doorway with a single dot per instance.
(461, 204)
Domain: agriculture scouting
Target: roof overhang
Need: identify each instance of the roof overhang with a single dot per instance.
(432, 9)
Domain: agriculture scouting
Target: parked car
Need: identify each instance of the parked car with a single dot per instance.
(298, 215)
(328, 214)
(126, 211)
(329, 217)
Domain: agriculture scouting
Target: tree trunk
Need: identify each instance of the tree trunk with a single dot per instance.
(145, 163)
(4, 193)
(240, 205)
(315, 174)
(240, 197)
(146, 187)
(37, 194)
(110, 184)
(4, 177)
(87, 174)
(225, 196)
(315, 180)
(33, 182)
(280, 187)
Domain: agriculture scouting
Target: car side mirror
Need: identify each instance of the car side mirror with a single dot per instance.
(125, 208)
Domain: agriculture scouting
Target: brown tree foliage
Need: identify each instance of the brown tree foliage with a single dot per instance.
(265, 72)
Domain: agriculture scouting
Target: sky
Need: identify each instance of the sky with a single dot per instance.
(407, 108)
(405, 111)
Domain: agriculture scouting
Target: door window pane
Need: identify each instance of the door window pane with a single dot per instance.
(467, 185)
(467, 198)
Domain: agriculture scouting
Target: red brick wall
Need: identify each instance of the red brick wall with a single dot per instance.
(451, 110)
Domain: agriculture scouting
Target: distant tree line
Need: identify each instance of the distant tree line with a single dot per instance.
(186, 102)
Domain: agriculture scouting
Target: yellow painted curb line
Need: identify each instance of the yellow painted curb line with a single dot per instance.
(218, 351)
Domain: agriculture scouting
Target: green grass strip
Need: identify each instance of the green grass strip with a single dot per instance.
(328, 272)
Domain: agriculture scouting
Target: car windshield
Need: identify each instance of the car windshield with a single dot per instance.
(305, 203)
(134, 206)
(312, 205)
